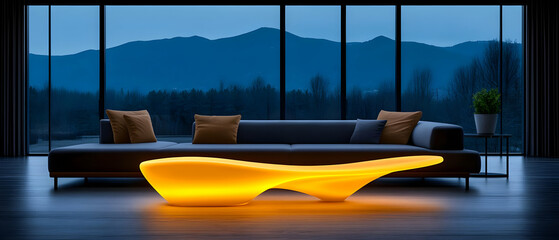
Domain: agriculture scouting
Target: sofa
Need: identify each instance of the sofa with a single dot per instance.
(291, 142)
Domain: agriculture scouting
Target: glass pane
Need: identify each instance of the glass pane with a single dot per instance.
(38, 68)
(312, 75)
(75, 75)
(177, 61)
(513, 83)
(370, 61)
(448, 55)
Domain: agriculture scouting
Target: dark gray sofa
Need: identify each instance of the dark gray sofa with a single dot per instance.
(293, 142)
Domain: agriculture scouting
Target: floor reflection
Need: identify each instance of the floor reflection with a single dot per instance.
(277, 210)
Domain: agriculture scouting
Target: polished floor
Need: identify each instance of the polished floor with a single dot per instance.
(526, 206)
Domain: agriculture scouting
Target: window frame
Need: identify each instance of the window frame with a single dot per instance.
(282, 4)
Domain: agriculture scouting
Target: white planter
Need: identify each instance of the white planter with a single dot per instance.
(486, 123)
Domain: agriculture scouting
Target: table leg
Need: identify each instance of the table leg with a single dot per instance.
(501, 146)
(486, 170)
(507, 157)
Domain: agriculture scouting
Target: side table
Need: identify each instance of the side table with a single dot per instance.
(486, 136)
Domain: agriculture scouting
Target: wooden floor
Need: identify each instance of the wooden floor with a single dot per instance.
(524, 207)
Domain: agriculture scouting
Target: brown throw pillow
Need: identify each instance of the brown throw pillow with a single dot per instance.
(216, 129)
(140, 129)
(120, 129)
(399, 126)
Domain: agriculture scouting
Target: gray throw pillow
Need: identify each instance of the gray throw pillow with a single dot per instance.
(367, 131)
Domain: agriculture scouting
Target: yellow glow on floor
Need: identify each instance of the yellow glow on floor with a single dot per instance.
(277, 211)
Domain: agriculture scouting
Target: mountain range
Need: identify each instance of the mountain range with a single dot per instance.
(195, 62)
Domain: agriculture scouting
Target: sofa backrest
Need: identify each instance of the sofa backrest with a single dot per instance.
(432, 135)
(293, 131)
(105, 131)
(437, 136)
(275, 131)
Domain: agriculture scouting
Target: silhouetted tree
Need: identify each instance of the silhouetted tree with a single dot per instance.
(420, 85)
(490, 66)
(319, 90)
(481, 73)
(418, 95)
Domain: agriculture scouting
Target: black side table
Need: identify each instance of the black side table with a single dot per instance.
(486, 136)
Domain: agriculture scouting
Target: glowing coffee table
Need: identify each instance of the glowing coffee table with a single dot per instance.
(205, 181)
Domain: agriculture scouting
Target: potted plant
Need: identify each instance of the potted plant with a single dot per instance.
(487, 105)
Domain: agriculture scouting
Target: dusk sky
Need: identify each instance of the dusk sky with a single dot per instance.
(75, 28)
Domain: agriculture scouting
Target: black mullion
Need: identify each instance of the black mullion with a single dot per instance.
(102, 76)
(26, 69)
(501, 75)
(50, 84)
(343, 102)
(524, 74)
(282, 62)
(398, 67)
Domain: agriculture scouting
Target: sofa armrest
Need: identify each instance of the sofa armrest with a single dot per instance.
(438, 136)
(105, 131)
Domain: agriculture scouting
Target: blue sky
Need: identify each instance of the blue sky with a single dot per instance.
(75, 28)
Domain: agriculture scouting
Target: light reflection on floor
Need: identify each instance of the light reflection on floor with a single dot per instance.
(278, 210)
(278, 202)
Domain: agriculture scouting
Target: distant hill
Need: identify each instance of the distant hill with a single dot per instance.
(196, 62)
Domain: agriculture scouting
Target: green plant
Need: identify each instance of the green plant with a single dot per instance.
(487, 102)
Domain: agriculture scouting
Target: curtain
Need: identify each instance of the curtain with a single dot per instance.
(13, 98)
(542, 79)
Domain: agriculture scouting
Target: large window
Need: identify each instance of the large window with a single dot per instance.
(74, 81)
(370, 60)
(312, 66)
(177, 61)
(447, 56)
(513, 84)
(38, 67)
(74, 75)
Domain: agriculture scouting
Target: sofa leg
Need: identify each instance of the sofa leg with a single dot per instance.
(85, 180)
(55, 183)
(467, 183)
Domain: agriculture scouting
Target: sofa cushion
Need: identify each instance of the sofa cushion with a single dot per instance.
(119, 126)
(95, 157)
(266, 153)
(367, 131)
(216, 129)
(438, 136)
(140, 129)
(313, 154)
(399, 126)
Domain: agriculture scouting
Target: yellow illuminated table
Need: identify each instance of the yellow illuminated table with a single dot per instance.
(206, 181)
